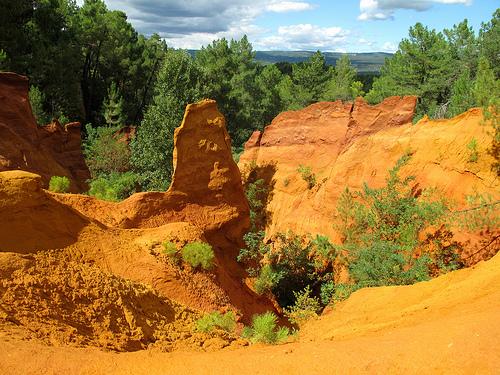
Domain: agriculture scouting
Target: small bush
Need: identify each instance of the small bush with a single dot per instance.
(198, 254)
(308, 176)
(263, 329)
(114, 187)
(59, 184)
(305, 307)
(472, 151)
(169, 250)
(267, 279)
(216, 320)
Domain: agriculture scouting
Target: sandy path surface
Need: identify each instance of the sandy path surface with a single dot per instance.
(449, 325)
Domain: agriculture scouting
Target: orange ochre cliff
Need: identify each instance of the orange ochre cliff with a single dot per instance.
(51, 150)
(347, 145)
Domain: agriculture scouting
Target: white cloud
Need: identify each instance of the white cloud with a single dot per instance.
(387, 47)
(312, 37)
(367, 42)
(372, 10)
(289, 6)
(194, 23)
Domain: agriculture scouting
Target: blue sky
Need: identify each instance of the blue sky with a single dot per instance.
(325, 25)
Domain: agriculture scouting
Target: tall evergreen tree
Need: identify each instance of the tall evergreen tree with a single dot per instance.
(343, 85)
(179, 83)
(489, 39)
(308, 83)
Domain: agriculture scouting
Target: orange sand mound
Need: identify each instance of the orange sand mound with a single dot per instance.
(449, 325)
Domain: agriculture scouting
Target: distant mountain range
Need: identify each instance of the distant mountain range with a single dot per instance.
(366, 62)
(369, 62)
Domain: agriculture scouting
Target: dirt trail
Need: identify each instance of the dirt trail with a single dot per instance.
(449, 325)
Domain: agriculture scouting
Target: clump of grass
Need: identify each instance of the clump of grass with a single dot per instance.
(170, 251)
(216, 320)
(198, 254)
(59, 184)
(264, 329)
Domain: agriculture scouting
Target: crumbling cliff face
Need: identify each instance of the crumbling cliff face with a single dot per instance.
(51, 150)
(346, 145)
(206, 202)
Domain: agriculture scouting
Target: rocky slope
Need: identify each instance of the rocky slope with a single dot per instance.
(51, 150)
(346, 145)
(448, 325)
(206, 204)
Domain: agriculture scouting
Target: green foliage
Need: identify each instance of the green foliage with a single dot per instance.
(382, 232)
(198, 254)
(255, 254)
(305, 307)
(332, 293)
(487, 94)
(307, 84)
(264, 329)
(179, 83)
(253, 191)
(428, 65)
(59, 184)
(37, 98)
(115, 186)
(293, 263)
(4, 61)
(462, 98)
(169, 249)
(108, 159)
(489, 42)
(113, 106)
(217, 321)
(483, 213)
(104, 152)
(308, 176)
(472, 151)
(232, 76)
(343, 86)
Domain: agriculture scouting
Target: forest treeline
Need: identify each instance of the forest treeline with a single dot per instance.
(88, 64)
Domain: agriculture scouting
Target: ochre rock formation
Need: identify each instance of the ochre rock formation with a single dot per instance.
(206, 189)
(30, 219)
(51, 150)
(346, 146)
(206, 202)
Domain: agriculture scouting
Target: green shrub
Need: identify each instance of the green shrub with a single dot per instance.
(105, 152)
(295, 262)
(37, 100)
(114, 187)
(169, 250)
(267, 279)
(332, 293)
(263, 329)
(305, 307)
(472, 151)
(198, 254)
(216, 320)
(253, 192)
(382, 234)
(308, 176)
(59, 184)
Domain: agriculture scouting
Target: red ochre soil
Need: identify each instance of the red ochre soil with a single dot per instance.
(449, 325)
